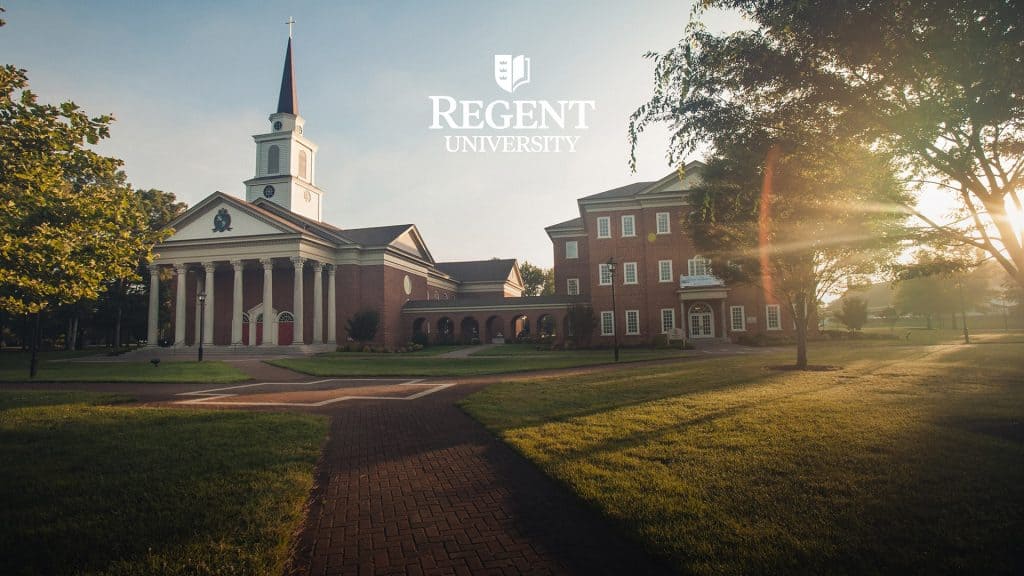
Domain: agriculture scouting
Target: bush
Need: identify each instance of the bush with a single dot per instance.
(363, 325)
(420, 339)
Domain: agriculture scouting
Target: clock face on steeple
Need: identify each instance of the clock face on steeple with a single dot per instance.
(268, 191)
(277, 125)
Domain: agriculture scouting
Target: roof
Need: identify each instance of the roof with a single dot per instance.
(288, 101)
(627, 191)
(479, 270)
(573, 224)
(491, 301)
(375, 236)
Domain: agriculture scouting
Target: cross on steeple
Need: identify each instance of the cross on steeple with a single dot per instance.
(289, 22)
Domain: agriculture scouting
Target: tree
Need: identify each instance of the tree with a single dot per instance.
(581, 323)
(363, 325)
(853, 313)
(796, 217)
(70, 222)
(939, 84)
(889, 316)
(537, 281)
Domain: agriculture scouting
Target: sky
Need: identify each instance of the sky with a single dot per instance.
(190, 82)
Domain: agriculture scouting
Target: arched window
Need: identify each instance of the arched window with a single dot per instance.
(285, 317)
(303, 165)
(259, 318)
(245, 317)
(273, 160)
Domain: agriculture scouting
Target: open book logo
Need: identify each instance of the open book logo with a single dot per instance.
(511, 72)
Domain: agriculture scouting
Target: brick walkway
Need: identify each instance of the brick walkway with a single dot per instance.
(420, 488)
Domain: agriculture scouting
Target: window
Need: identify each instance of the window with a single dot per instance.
(604, 227)
(632, 321)
(738, 318)
(607, 324)
(572, 286)
(668, 320)
(628, 225)
(629, 273)
(664, 270)
(604, 275)
(698, 266)
(773, 319)
(303, 165)
(273, 160)
(572, 249)
(663, 223)
(285, 317)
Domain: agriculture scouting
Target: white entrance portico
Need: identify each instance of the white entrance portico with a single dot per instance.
(697, 294)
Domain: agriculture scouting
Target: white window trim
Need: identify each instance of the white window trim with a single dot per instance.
(636, 273)
(660, 278)
(668, 222)
(600, 275)
(732, 319)
(608, 221)
(607, 314)
(767, 318)
(632, 219)
(637, 331)
(661, 317)
(568, 286)
(691, 264)
(576, 250)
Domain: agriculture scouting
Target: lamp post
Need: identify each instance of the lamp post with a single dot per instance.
(202, 322)
(615, 333)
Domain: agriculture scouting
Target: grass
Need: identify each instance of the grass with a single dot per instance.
(518, 359)
(54, 367)
(93, 488)
(909, 459)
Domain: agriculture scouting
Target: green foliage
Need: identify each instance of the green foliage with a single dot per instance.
(363, 325)
(97, 489)
(582, 323)
(853, 312)
(537, 281)
(70, 221)
(937, 84)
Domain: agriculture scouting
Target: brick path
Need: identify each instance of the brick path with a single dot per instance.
(420, 488)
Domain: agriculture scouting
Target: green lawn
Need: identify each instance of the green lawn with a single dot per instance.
(54, 367)
(907, 460)
(518, 359)
(91, 488)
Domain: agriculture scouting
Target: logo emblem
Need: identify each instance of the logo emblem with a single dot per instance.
(222, 221)
(511, 72)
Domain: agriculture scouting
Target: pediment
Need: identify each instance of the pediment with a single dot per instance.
(220, 218)
(411, 242)
(672, 182)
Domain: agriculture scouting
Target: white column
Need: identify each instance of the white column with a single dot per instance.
(318, 303)
(236, 304)
(298, 262)
(332, 336)
(210, 286)
(195, 326)
(154, 306)
(269, 321)
(180, 271)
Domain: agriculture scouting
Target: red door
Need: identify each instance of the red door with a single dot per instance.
(245, 333)
(285, 332)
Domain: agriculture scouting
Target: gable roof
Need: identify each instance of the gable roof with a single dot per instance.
(375, 235)
(574, 224)
(627, 191)
(692, 172)
(479, 270)
(257, 211)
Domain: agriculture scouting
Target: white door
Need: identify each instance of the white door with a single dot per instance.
(702, 321)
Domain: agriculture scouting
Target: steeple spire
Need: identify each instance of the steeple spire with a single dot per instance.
(288, 102)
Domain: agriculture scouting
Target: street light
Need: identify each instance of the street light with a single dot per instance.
(615, 333)
(202, 322)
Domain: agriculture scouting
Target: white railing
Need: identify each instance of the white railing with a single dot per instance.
(699, 281)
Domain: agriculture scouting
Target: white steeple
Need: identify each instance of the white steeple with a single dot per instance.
(285, 159)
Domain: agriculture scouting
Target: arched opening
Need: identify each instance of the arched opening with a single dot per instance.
(546, 326)
(495, 330)
(273, 160)
(445, 331)
(702, 321)
(420, 331)
(521, 328)
(469, 330)
(285, 328)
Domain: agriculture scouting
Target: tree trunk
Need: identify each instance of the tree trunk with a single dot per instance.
(117, 317)
(800, 314)
(73, 332)
(33, 364)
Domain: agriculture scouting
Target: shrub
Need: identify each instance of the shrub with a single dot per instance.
(362, 326)
(420, 339)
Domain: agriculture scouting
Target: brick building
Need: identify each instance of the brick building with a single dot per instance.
(272, 273)
(661, 281)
